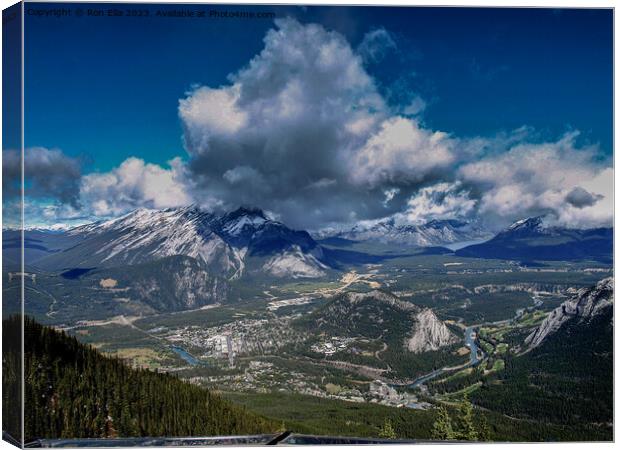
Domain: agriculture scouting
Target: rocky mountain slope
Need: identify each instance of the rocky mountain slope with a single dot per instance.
(153, 261)
(566, 375)
(529, 239)
(382, 316)
(222, 244)
(429, 333)
(586, 304)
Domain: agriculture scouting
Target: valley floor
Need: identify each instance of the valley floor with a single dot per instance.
(260, 353)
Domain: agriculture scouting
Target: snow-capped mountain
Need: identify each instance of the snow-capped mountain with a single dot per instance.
(586, 304)
(251, 229)
(221, 243)
(530, 224)
(530, 239)
(296, 264)
(145, 235)
(432, 233)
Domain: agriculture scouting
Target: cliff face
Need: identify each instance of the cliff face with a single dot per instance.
(586, 304)
(385, 317)
(429, 334)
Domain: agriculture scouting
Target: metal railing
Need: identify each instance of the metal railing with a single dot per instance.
(285, 438)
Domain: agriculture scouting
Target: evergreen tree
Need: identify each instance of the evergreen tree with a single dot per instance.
(387, 430)
(485, 430)
(442, 428)
(73, 391)
(465, 427)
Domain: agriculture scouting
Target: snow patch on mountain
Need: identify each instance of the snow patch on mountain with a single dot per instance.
(237, 226)
(389, 231)
(296, 264)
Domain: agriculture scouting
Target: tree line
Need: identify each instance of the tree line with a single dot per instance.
(74, 391)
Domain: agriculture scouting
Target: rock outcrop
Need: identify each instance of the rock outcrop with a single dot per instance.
(429, 333)
(586, 304)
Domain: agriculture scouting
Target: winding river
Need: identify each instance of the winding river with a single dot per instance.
(470, 342)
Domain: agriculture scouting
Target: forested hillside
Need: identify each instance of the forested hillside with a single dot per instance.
(74, 391)
(568, 379)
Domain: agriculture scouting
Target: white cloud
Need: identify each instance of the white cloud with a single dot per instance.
(304, 122)
(299, 110)
(439, 201)
(599, 213)
(531, 179)
(375, 45)
(134, 184)
(415, 106)
(207, 113)
(389, 195)
(303, 131)
(401, 151)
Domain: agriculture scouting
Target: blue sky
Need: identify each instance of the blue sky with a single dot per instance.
(103, 90)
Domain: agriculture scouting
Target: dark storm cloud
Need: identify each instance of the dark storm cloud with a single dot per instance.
(303, 132)
(49, 174)
(580, 198)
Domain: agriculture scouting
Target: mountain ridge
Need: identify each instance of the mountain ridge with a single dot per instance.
(529, 240)
(221, 243)
(432, 233)
(586, 304)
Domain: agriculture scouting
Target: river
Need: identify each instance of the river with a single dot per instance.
(186, 356)
(470, 342)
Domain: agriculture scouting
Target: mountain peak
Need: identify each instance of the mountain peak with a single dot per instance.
(243, 220)
(390, 230)
(247, 211)
(192, 208)
(441, 223)
(530, 223)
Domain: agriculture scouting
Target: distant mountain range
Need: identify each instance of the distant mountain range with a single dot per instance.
(152, 261)
(229, 245)
(530, 240)
(185, 258)
(388, 231)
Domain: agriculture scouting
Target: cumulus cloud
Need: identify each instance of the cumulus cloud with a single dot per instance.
(303, 122)
(599, 212)
(439, 201)
(49, 174)
(543, 178)
(302, 131)
(401, 152)
(580, 198)
(134, 184)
